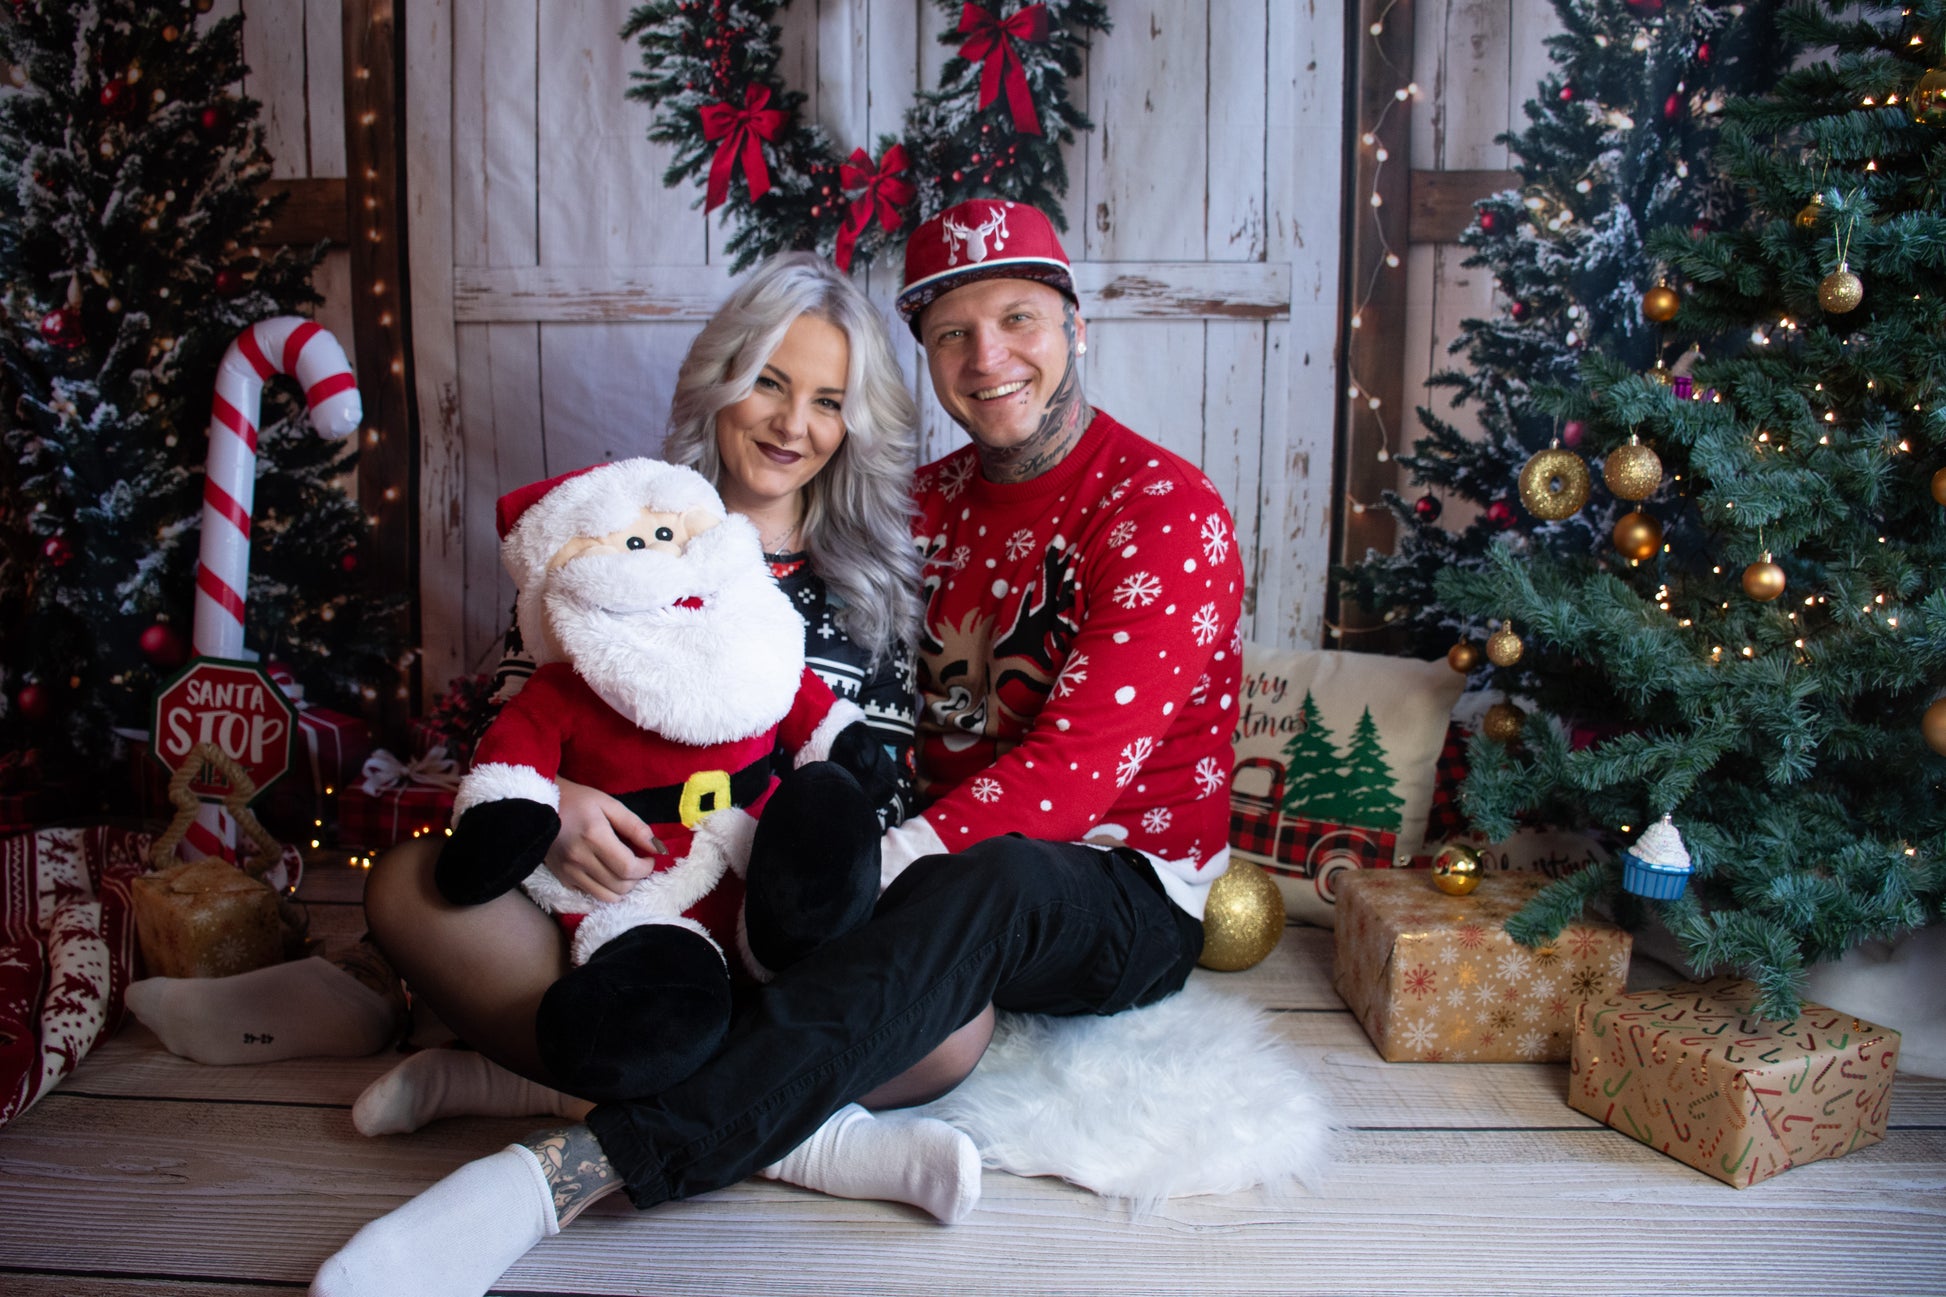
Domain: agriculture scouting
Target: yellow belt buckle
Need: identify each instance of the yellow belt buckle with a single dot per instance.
(703, 794)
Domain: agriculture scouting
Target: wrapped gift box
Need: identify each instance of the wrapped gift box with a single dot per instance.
(377, 820)
(205, 918)
(1693, 1073)
(1435, 978)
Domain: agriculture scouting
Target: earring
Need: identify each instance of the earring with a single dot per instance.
(1081, 349)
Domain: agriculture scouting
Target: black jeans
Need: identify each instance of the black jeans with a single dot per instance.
(1024, 925)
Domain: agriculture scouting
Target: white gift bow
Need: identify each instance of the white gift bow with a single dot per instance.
(385, 773)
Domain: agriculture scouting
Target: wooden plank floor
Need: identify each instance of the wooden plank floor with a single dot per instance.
(145, 1176)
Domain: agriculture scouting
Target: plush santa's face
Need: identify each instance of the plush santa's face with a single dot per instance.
(675, 621)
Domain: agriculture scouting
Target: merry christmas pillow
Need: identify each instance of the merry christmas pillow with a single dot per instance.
(1335, 757)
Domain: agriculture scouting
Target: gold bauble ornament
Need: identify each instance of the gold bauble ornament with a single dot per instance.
(1463, 657)
(1456, 869)
(1939, 486)
(1502, 722)
(1763, 580)
(1841, 291)
(1660, 304)
(1927, 102)
(1638, 536)
(1554, 484)
(1811, 213)
(1504, 647)
(1632, 472)
(1933, 726)
(1243, 918)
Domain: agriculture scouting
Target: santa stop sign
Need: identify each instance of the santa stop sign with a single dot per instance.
(236, 707)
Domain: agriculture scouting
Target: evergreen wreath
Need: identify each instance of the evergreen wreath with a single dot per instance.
(994, 127)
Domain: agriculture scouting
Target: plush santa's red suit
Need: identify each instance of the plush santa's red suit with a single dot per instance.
(672, 670)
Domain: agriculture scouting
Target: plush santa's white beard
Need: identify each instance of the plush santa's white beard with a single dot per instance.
(705, 675)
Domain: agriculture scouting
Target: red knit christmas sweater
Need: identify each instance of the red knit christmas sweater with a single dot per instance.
(1079, 661)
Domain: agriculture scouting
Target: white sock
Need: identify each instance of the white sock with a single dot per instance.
(454, 1239)
(302, 1009)
(914, 1160)
(435, 1083)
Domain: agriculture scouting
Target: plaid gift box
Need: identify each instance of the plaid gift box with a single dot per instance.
(1693, 1073)
(1435, 978)
(397, 800)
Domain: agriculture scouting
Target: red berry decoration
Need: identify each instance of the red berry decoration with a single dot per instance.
(229, 282)
(1571, 433)
(349, 562)
(1703, 52)
(212, 120)
(57, 551)
(61, 327)
(1672, 107)
(1567, 93)
(1428, 507)
(116, 97)
(1501, 514)
(32, 701)
(162, 645)
(1487, 221)
(1518, 310)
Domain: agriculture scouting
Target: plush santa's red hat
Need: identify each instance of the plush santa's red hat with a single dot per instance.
(982, 238)
(535, 521)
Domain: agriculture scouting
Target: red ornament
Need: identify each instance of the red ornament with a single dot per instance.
(229, 282)
(162, 645)
(115, 96)
(1567, 93)
(1703, 52)
(1571, 433)
(57, 551)
(1487, 221)
(212, 120)
(1428, 507)
(1518, 310)
(32, 701)
(349, 562)
(1672, 106)
(1501, 514)
(61, 327)
(1646, 6)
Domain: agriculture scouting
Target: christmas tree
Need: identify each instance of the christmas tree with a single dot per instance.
(131, 214)
(1373, 801)
(1314, 782)
(1618, 144)
(1769, 622)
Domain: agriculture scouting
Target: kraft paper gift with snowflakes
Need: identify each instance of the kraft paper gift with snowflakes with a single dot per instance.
(1335, 756)
(206, 918)
(1692, 1073)
(1436, 979)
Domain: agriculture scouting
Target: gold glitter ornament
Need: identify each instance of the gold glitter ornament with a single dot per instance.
(1939, 486)
(1243, 918)
(1841, 290)
(1660, 304)
(1811, 213)
(1933, 726)
(1456, 869)
(1503, 722)
(1661, 376)
(1927, 102)
(1504, 647)
(1633, 471)
(1554, 484)
(1763, 580)
(1463, 657)
(1637, 536)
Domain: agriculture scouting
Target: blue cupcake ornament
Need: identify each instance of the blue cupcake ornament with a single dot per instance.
(1657, 866)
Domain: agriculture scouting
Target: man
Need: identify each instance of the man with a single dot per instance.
(1078, 680)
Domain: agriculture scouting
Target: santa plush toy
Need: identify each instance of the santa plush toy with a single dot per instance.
(671, 670)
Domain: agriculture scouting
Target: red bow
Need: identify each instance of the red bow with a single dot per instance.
(992, 41)
(880, 191)
(740, 129)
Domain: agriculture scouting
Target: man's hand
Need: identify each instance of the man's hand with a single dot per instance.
(603, 846)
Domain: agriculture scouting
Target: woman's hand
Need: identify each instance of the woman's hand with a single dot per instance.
(602, 846)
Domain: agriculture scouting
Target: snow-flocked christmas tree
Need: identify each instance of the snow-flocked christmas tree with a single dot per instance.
(131, 216)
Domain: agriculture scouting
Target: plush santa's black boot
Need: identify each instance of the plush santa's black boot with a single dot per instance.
(813, 865)
(643, 1013)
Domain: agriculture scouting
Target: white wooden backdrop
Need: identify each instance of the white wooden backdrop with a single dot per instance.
(556, 282)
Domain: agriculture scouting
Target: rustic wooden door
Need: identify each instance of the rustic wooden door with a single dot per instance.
(556, 282)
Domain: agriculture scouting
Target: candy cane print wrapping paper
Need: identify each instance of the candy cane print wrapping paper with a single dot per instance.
(1692, 1073)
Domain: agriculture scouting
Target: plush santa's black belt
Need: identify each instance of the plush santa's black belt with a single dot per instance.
(664, 804)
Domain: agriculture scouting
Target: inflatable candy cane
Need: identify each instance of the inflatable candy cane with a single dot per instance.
(287, 345)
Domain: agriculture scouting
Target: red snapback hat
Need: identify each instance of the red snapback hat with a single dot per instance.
(982, 238)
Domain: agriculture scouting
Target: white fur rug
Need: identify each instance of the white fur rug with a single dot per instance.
(1197, 1094)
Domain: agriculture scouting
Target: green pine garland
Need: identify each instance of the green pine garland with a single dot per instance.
(698, 53)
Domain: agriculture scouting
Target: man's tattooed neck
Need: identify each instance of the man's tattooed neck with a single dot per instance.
(1060, 427)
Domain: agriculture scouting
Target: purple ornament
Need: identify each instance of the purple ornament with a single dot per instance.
(1684, 387)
